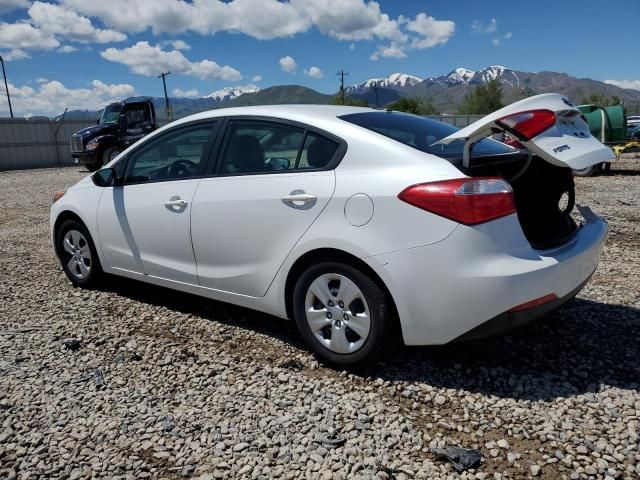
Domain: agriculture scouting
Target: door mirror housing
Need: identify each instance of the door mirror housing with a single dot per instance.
(106, 177)
(122, 120)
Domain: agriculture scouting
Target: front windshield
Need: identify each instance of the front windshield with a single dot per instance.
(422, 133)
(111, 113)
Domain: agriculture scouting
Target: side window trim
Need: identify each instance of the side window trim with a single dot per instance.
(206, 151)
(215, 163)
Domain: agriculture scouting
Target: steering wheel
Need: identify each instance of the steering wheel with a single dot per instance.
(182, 168)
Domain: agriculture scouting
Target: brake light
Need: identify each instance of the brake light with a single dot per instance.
(527, 125)
(465, 200)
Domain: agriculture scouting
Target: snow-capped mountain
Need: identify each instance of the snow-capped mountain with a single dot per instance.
(464, 76)
(458, 76)
(395, 80)
(506, 75)
(229, 93)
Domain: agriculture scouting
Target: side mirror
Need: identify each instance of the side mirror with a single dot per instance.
(122, 120)
(97, 121)
(105, 177)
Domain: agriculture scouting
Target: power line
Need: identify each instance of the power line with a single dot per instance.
(166, 98)
(6, 87)
(341, 74)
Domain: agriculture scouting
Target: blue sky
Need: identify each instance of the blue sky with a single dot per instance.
(82, 53)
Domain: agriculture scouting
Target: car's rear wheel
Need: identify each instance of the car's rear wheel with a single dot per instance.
(343, 314)
(77, 254)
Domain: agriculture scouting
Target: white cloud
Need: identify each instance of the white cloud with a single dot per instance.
(48, 23)
(145, 59)
(352, 46)
(478, 26)
(67, 49)
(176, 44)
(7, 5)
(348, 20)
(186, 93)
(42, 80)
(632, 84)
(256, 78)
(51, 97)
(14, 54)
(341, 19)
(432, 32)
(390, 51)
(60, 20)
(314, 72)
(26, 36)
(508, 35)
(496, 41)
(288, 64)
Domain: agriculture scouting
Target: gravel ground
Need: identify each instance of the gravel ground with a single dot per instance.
(168, 385)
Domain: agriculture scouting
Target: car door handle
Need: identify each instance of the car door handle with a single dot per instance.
(176, 203)
(299, 197)
(300, 200)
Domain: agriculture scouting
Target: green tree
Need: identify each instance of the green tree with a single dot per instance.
(601, 100)
(483, 99)
(413, 105)
(350, 101)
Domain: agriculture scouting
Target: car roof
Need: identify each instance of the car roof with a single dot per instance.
(309, 114)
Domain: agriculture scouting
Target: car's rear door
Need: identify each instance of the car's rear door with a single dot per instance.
(548, 125)
(271, 181)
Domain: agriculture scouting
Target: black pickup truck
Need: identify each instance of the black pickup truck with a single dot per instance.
(121, 124)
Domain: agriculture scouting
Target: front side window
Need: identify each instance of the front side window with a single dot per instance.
(175, 155)
(263, 147)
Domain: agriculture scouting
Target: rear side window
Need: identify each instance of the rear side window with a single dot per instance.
(421, 133)
(267, 147)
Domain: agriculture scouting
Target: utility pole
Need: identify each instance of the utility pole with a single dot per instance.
(341, 74)
(6, 87)
(166, 98)
(374, 87)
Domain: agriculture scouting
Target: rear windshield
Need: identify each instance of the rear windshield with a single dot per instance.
(421, 133)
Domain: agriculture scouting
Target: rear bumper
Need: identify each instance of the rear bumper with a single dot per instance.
(508, 321)
(449, 289)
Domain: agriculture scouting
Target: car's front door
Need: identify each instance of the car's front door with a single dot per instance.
(273, 179)
(144, 225)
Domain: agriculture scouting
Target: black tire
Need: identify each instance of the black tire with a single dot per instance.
(109, 154)
(92, 167)
(95, 273)
(587, 172)
(382, 338)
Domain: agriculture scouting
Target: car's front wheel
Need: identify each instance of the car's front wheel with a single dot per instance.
(343, 314)
(77, 254)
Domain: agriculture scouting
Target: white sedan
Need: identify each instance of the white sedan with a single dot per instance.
(359, 224)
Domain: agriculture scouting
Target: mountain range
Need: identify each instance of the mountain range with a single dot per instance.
(445, 92)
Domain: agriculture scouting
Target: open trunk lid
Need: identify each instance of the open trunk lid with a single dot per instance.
(548, 125)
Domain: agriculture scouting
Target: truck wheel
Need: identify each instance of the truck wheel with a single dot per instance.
(92, 167)
(587, 172)
(109, 154)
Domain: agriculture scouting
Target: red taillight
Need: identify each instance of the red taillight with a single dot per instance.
(534, 303)
(527, 125)
(465, 200)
